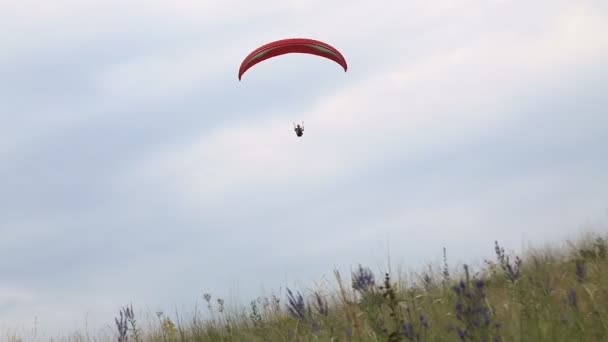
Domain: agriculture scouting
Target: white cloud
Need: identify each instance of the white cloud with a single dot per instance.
(424, 77)
(158, 77)
(447, 98)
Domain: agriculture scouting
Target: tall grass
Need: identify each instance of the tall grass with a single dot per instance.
(555, 294)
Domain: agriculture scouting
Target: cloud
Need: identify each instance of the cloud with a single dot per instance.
(140, 169)
(449, 97)
(157, 77)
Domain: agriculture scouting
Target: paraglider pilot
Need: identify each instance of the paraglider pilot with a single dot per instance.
(299, 129)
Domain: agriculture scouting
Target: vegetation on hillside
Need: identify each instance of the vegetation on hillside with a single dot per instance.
(558, 294)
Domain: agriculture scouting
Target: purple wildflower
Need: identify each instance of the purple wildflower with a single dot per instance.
(207, 297)
(459, 309)
(363, 279)
(512, 270)
(295, 305)
(580, 271)
(127, 315)
(424, 321)
(427, 281)
(485, 316)
(321, 304)
(462, 333)
(456, 290)
(472, 309)
(408, 330)
(572, 298)
(446, 271)
(121, 325)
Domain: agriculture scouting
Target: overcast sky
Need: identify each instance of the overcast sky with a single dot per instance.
(135, 167)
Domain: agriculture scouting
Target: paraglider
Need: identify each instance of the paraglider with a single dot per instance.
(292, 45)
(299, 129)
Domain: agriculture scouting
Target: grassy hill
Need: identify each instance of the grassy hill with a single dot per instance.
(553, 294)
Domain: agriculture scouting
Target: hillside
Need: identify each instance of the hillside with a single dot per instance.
(553, 294)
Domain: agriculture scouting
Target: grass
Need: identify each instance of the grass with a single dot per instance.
(554, 294)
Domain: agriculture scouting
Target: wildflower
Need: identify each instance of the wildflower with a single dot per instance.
(321, 304)
(456, 290)
(462, 333)
(255, 316)
(459, 309)
(446, 271)
(169, 327)
(363, 279)
(127, 316)
(580, 271)
(424, 321)
(207, 297)
(296, 305)
(512, 271)
(427, 281)
(472, 309)
(121, 325)
(485, 316)
(408, 330)
(220, 303)
(276, 303)
(571, 296)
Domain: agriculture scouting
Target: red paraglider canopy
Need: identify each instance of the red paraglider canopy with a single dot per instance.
(292, 45)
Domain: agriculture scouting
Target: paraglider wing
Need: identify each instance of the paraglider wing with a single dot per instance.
(291, 45)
